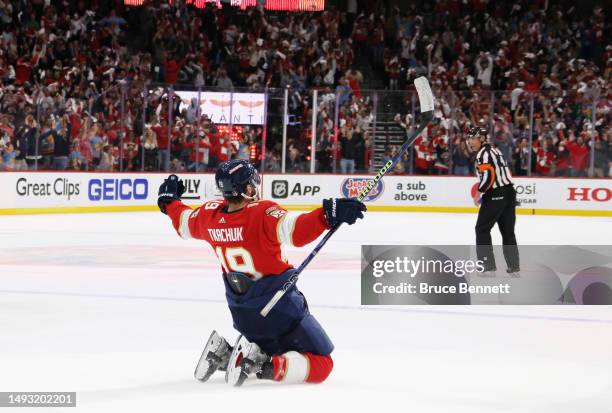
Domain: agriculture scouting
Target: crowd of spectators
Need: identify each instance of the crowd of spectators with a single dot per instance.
(84, 87)
(343, 122)
(525, 70)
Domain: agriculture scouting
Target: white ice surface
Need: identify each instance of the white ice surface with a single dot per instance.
(117, 308)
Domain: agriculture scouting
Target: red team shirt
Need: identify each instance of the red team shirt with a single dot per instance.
(249, 240)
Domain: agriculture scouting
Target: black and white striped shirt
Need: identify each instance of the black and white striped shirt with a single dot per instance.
(492, 168)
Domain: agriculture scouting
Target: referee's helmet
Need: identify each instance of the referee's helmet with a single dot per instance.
(477, 132)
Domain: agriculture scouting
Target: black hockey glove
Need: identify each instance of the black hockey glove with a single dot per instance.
(343, 210)
(171, 190)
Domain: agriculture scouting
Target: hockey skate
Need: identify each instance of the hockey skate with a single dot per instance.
(246, 360)
(514, 272)
(215, 357)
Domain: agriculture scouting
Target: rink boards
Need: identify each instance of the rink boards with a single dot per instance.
(49, 192)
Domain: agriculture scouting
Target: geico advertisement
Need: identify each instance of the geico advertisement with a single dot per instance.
(532, 193)
(28, 190)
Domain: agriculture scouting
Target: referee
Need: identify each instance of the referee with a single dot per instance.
(497, 199)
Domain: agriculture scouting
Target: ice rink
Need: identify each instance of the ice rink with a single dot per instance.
(117, 308)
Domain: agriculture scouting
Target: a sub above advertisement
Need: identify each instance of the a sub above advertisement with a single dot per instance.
(411, 190)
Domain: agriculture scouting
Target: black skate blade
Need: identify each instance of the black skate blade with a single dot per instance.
(241, 379)
(246, 368)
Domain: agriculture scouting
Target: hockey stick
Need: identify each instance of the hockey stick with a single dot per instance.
(427, 108)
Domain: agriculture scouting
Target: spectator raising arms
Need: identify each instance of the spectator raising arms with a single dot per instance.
(579, 155)
(545, 159)
(348, 148)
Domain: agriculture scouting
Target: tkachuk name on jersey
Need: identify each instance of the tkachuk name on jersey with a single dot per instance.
(226, 234)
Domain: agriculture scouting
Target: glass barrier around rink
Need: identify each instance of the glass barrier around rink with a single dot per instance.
(352, 129)
(296, 137)
(159, 127)
(275, 129)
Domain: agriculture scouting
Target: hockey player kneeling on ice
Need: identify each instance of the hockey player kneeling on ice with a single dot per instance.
(247, 234)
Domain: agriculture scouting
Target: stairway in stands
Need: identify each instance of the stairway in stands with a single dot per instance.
(386, 131)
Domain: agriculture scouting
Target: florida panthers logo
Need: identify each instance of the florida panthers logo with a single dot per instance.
(275, 212)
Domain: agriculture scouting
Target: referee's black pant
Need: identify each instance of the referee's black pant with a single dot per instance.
(498, 206)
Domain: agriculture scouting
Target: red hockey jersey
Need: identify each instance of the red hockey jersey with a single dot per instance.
(249, 240)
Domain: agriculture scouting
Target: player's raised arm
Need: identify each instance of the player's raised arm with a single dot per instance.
(169, 202)
(305, 228)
